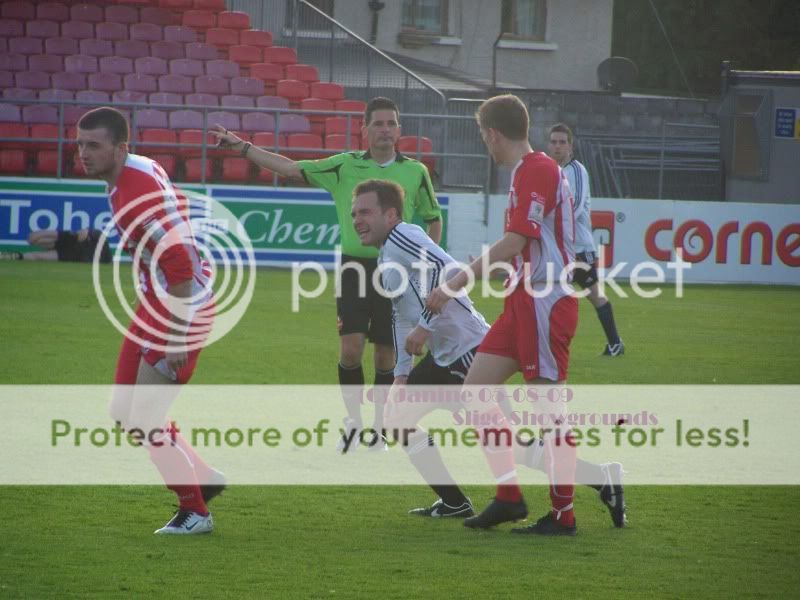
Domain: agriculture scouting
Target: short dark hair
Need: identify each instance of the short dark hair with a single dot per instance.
(109, 118)
(380, 103)
(389, 193)
(506, 114)
(562, 128)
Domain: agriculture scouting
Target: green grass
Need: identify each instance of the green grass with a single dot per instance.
(353, 542)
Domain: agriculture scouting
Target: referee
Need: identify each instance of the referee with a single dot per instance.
(360, 316)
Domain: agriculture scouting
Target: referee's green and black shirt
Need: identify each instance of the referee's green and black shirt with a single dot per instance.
(341, 173)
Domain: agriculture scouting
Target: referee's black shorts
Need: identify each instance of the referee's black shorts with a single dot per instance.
(370, 313)
(583, 276)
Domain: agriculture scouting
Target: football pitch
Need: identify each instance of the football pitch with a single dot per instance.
(358, 541)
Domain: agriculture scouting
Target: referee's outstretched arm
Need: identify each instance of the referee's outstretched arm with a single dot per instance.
(265, 159)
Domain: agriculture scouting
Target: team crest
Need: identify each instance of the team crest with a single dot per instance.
(536, 209)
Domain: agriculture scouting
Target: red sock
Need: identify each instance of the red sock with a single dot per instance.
(201, 468)
(560, 457)
(497, 444)
(178, 473)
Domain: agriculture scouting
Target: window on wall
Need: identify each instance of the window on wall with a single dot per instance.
(524, 18)
(307, 19)
(429, 16)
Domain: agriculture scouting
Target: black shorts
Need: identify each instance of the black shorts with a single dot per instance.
(370, 314)
(427, 372)
(69, 249)
(584, 277)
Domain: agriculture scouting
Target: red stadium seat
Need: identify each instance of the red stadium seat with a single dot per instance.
(317, 121)
(222, 37)
(234, 19)
(270, 74)
(200, 19)
(267, 139)
(339, 125)
(339, 141)
(194, 137)
(46, 163)
(306, 73)
(44, 131)
(215, 5)
(414, 147)
(236, 169)
(306, 141)
(351, 106)
(245, 55)
(15, 130)
(294, 91)
(330, 91)
(167, 161)
(156, 136)
(159, 16)
(255, 37)
(13, 162)
(195, 169)
(176, 4)
(280, 55)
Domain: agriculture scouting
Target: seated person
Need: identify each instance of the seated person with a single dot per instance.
(70, 246)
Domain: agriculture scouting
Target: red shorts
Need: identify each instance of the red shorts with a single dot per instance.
(536, 332)
(149, 345)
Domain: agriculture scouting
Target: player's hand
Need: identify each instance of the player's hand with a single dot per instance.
(176, 356)
(436, 300)
(415, 342)
(225, 139)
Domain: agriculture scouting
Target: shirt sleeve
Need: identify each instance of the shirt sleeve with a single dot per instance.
(324, 173)
(426, 205)
(526, 215)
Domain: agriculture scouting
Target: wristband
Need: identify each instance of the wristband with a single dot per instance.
(245, 148)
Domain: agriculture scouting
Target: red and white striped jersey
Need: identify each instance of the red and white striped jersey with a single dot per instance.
(152, 218)
(540, 208)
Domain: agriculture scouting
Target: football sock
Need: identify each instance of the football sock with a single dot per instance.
(177, 470)
(424, 455)
(606, 315)
(352, 381)
(385, 378)
(559, 459)
(497, 445)
(201, 468)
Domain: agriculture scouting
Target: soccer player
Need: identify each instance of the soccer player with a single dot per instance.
(161, 347)
(360, 317)
(560, 149)
(532, 334)
(410, 258)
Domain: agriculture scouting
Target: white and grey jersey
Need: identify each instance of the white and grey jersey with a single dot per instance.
(411, 265)
(578, 179)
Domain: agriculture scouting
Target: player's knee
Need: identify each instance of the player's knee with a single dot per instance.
(351, 352)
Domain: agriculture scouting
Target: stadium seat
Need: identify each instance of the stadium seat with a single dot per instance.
(185, 119)
(62, 46)
(11, 28)
(25, 11)
(94, 47)
(177, 84)
(148, 32)
(77, 30)
(272, 102)
(222, 37)
(280, 55)
(215, 5)
(25, 45)
(44, 131)
(15, 130)
(228, 120)
(247, 86)
(202, 99)
(116, 13)
(150, 65)
(3, 46)
(192, 139)
(267, 139)
(13, 62)
(167, 50)
(304, 140)
(339, 141)
(270, 74)
(116, 64)
(301, 72)
(188, 67)
(10, 113)
(159, 16)
(42, 29)
(149, 118)
(6, 79)
(92, 97)
(69, 81)
(179, 33)
(237, 101)
(13, 162)
(139, 82)
(340, 124)
(39, 113)
(150, 136)
(330, 91)
(236, 170)
(351, 106)
(234, 19)
(201, 51)
(89, 13)
(199, 19)
(195, 169)
(32, 80)
(111, 31)
(129, 96)
(415, 146)
(176, 4)
(45, 163)
(46, 63)
(105, 82)
(21, 94)
(73, 113)
(317, 121)
(56, 95)
(294, 91)
(54, 11)
(255, 37)
(212, 84)
(257, 122)
(165, 98)
(246, 55)
(132, 48)
(292, 123)
(167, 161)
(222, 68)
